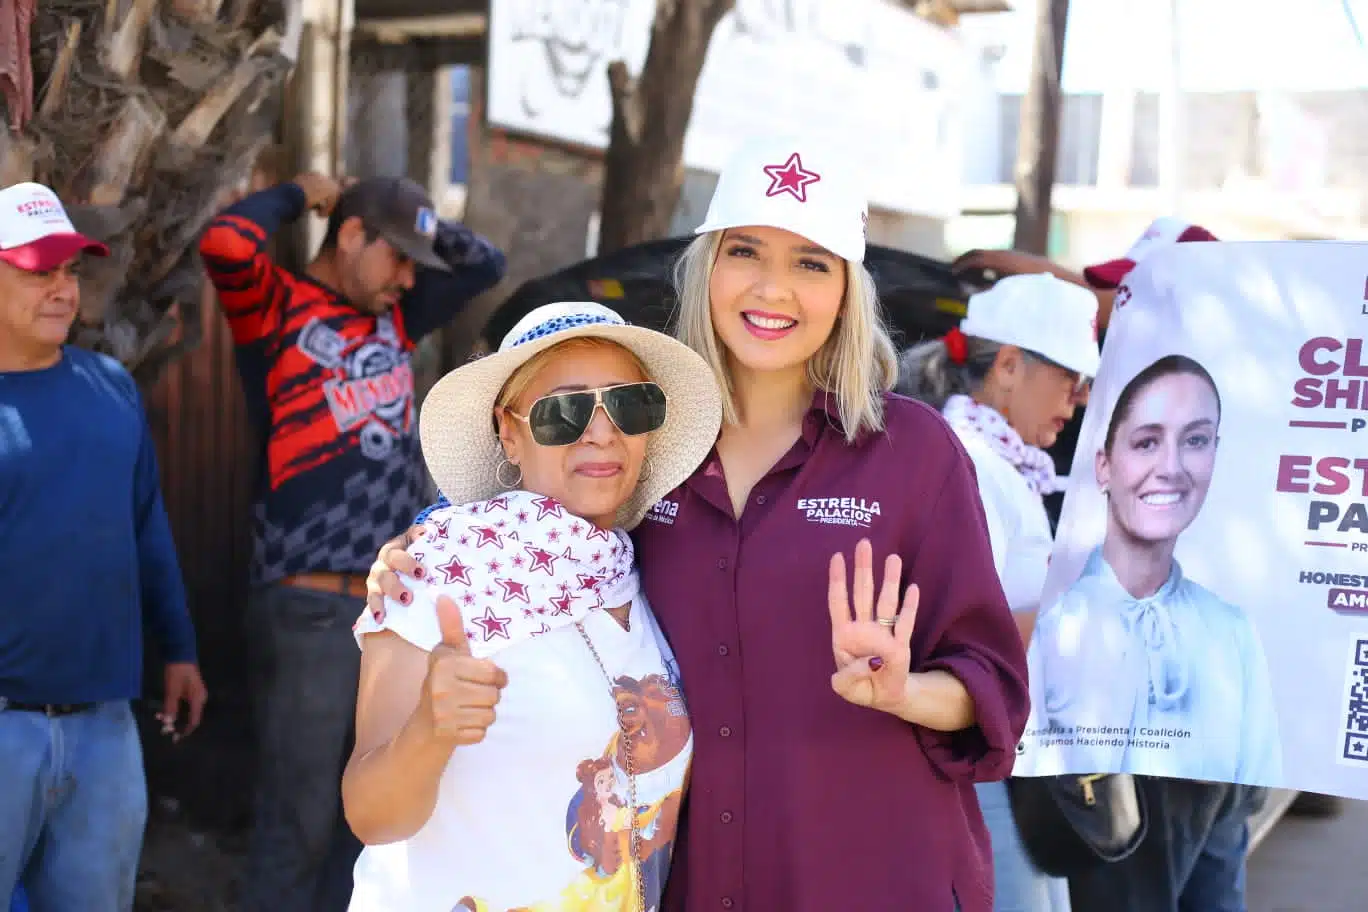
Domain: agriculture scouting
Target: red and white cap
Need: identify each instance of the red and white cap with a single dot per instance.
(35, 233)
(1160, 233)
(796, 186)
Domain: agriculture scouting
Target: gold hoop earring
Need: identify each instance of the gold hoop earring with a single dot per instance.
(499, 474)
(646, 470)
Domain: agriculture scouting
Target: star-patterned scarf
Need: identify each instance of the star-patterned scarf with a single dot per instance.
(520, 565)
(1032, 463)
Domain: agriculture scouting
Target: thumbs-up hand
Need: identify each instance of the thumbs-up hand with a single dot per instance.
(460, 691)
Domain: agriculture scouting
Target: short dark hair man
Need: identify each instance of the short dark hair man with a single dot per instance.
(325, 362)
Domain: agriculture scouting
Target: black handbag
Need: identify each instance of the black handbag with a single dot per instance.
(1070, 824)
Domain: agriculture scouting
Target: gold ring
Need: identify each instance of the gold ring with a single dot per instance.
(887, 622)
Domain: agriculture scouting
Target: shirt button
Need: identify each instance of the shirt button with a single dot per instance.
(727, 902)
(726, 817)
(761, 500)
(722, 649)
(725, 731)
(721, 563)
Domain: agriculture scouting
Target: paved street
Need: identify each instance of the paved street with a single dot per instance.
(1308, 865)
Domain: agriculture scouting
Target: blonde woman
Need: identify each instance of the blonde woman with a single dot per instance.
(835, 752)
(521, 742)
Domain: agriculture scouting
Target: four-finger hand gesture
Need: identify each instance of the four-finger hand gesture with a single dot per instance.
(461, 690)
(871, 643)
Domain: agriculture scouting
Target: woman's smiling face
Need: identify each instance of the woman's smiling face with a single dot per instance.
(1158, 467)
(775, 297)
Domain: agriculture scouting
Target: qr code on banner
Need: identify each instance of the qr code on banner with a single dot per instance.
(1355, 743)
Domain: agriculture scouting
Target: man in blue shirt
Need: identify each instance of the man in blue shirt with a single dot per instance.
(88, 562)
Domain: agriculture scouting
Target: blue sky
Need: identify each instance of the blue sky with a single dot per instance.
(1226, 45)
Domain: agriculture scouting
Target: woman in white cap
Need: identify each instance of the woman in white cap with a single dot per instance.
(521, 741)
(1008, 379)
(835, 751)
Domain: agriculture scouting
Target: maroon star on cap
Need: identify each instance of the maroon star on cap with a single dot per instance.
(791, 177)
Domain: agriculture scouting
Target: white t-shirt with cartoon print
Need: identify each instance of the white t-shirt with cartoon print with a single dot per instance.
(536, 815)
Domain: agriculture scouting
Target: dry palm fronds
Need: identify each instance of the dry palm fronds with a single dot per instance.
(147, 113)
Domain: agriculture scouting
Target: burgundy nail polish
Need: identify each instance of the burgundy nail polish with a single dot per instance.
(379, 617)
(404, 599)
(875, 663)
(418, 572)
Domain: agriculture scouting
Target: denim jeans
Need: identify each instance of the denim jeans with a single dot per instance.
(303, 669)
(1018, 885)
(1192, 860)
(72, 809)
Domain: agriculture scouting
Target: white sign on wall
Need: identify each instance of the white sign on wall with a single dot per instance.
(864, 74)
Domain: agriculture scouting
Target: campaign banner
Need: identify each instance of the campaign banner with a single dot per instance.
(1205, 614)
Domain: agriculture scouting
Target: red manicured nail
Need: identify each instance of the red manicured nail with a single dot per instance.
(405, 598)
(380, 617)
(875, 663)
(418, 572)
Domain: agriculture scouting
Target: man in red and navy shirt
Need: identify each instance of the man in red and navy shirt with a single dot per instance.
(325, 360)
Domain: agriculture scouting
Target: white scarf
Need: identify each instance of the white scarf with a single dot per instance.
(1032, 463)
(520, 565)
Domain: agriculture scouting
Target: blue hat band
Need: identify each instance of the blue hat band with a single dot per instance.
(560, 324)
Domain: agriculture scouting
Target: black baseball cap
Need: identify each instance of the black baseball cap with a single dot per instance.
(398, 210)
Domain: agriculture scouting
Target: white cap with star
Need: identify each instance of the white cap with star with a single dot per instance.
(795, 185)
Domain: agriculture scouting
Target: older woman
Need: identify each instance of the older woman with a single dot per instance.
(835, 751)
(520, 738)
(1008, 380)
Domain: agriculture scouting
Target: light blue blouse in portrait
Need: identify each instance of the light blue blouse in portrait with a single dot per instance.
(1175, 685)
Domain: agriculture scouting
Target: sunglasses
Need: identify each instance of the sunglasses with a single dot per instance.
(562, 418)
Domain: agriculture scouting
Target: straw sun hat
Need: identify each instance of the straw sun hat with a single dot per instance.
(457, 431)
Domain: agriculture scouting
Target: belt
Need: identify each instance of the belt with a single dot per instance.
(47, 709)
(349, 584)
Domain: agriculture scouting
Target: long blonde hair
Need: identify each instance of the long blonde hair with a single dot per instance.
(857, 364)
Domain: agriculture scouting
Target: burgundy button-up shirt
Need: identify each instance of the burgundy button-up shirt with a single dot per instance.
(800, 801)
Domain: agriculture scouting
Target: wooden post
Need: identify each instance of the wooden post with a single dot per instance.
(380, 126)
(316, 117)
(1038, 139)
(429, 124)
